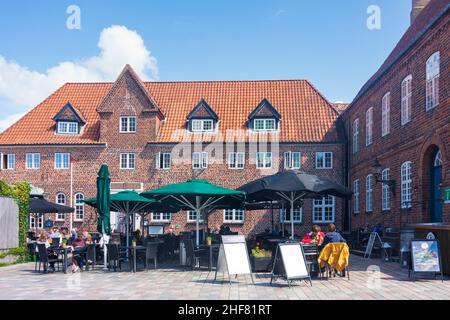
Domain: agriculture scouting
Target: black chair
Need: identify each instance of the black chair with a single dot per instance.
(151, 254)
(114, 257)
(91, 256)
(55, 242)
(311, 251)
(193, 256)
(44, 258)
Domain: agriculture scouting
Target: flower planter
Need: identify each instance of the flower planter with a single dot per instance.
(261, 264)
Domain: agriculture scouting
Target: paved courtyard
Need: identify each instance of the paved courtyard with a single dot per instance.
(171, 283)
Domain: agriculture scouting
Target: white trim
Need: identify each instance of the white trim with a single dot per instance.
(33, 161)
(355, 136)
(203, 160)
(406, 185)
(128, 161)
(230, 163)
(386, 114)
(202, 125)
(79, 205)
(62, 160)
(289, 160)
(57, 218)
(356, 197)
(158, 161)
(385, 191)
(324, 167)
(234, 220)
(128, 126)
(432, 81)
(323, 206)
(188, 220)
(162, 215)
(369, 193)
(369, 126)
(285, 211)
(265, 160)
(406, 100)
(67, 132)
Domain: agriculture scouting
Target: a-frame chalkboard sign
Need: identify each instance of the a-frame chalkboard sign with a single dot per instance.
(290, 263)
(373, 237)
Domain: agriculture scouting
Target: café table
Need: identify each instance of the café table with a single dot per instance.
(60, 251)
(211, 249)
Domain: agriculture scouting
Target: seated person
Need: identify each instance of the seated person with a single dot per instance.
(43, 239)
(332, 236)
(378, 229)
(316, 236)
(79, 247)
(139, 238)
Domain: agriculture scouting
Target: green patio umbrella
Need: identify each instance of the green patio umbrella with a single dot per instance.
(130, 203)
(198, 195)
(103, 208)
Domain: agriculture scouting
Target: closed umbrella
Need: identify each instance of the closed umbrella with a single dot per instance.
(199, 196)
(292, 187)
(103, 207)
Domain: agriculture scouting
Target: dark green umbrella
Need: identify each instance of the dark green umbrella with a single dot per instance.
(130, 203)
(103, 209)
(198, 195)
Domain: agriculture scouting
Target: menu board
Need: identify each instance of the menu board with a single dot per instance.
(426, 256)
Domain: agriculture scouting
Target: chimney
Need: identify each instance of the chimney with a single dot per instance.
(417, 7)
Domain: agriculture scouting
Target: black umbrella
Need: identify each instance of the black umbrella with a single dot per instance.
(41, 206)
(292, 187)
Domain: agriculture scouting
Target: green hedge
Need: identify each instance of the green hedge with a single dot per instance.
(20, 192)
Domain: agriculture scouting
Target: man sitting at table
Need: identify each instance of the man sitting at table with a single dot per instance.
(332, 236)
(79, 247)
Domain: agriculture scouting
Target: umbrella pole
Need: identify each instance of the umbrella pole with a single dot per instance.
(197, 213)
(283, 217)
(105, 250)
(292, 216)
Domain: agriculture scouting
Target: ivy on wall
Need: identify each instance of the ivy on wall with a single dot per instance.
(20, 192)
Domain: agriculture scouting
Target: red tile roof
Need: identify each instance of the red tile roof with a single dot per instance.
(306, 115)
(423, 22)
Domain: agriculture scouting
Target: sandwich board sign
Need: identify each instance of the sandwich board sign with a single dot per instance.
(233, 257)
(373, 237)
(290, 263)
(426, 258)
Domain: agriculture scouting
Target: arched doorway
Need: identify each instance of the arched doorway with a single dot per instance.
(435, 187)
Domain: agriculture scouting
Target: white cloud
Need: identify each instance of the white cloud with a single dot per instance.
(280, 12)
(24, 88)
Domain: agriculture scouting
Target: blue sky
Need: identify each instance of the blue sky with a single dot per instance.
(324, 41)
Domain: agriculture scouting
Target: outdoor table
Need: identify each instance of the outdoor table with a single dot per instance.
(64, 252)
(211, 250)
(134, 250)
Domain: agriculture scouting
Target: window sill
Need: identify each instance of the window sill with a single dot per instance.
(234, 222)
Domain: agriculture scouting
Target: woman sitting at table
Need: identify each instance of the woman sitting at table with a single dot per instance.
(79, 248)
(316, 236)
(43, 239)
(139, 238)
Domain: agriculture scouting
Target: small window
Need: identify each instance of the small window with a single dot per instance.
(79, 207)
(292, 160)
(68, 127)
(264, 125)
(161, 216)
(433, 73)
(62, 161)
(200, 160)
(36, 221)
(285, 215)
(127, 161)
(163, 161)
(406, 185)
(127, 124)
(406, 100)
(369, 127)
(61, 200)
(236, 160)
(8, 161)
(385, 191)
(203, 125)
(264, 160)
(386, 115)
(233, 216)
(324, 160)
(369, 193)
(192, 217)
(33, 161)
(323, 210)
(356, 196)
(355, 136)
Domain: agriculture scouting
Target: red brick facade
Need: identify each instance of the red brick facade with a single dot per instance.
(417, 141)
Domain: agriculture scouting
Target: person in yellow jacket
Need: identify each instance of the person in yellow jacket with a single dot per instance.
(335, 250)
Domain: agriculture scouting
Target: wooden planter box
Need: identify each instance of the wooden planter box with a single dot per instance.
(261, 264)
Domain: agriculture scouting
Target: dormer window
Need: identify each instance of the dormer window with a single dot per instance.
(127, 124)
(202, 118)
(69, 121)
(265, 125)
(264, 118)
(68, 127)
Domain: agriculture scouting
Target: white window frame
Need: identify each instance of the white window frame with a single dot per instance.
(164, 217)
(200, 160)
(60, 196)
(126, 163)
(236, 160)
(369, 193)
(163, 161)
(35, 161)
(40, 221)
(193, 212)
(60, 165)
(386, 115)
(234, 214)
(198, 125)
(385, 191)
(356, 197)
(265, 126)
(7, 161)
(406, 92)
(68, 128)
(323, 206)
(369, 126)
(79, 207)
(289, 160)
(432, 81)
(406, 185)
(127, 128)
(355, 141)
(323, 164)
(298, 212)
(265, 160)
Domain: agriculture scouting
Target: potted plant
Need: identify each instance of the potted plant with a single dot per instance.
(209, 240)
(261, 259)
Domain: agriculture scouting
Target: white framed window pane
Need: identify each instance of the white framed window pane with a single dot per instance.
(11, 162)
(270, 124)
(406, 92)
(323, 210)
(356, 196)
(124, 124)
(259, 124)
(406, 185)
(385, 191)
(207, 125)
(369, 193)
(234, 215)
(385, 114)
(196, 164)
(204, 160)
(286, 215)
(79, 207)
(192, 216)
(355, 135)
(369, 126)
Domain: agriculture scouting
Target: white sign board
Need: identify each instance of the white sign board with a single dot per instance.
(233, 256)
(294, 261)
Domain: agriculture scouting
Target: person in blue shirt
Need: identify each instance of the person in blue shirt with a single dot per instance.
(332, 236)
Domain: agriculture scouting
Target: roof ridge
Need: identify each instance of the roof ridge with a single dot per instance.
(193, 81)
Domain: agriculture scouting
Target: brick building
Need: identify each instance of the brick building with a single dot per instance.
(401, 117)
(157, 133)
